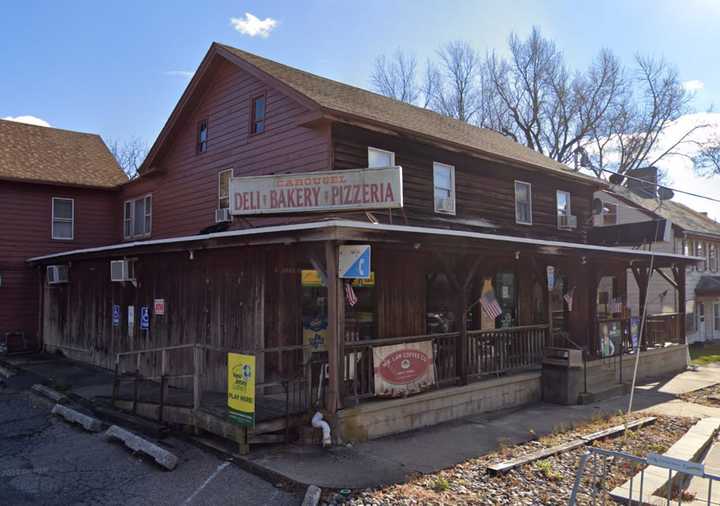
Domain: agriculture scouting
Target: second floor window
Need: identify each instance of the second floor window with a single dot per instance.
(137, 217)
(700, 252)
(258, 115)
(63, 219)
(563, 209)
(379, 158)
(712, 257)
(224, 188)
(202, 136)
(444, 184)
(609, 213)
(523, 203)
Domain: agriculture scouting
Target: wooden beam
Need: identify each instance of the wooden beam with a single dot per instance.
(335, 326)
(667, 278)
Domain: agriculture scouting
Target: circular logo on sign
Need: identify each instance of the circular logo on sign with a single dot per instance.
(404, 366)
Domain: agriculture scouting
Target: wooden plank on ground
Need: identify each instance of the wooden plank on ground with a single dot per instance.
(503, 467)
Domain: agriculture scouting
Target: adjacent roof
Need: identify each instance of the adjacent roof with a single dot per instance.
(50, 155)
(679, 214)
(339, 99)
(708, 285)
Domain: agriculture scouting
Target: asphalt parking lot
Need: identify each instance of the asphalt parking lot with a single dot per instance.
(43, 460)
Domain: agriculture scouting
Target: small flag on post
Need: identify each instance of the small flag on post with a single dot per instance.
(488, 301)
(350, 294)
(569, 298)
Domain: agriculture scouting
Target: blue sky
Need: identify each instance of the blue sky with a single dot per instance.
(116, 67)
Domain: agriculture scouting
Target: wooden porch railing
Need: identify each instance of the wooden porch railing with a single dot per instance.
(490, 352)
(664, 328)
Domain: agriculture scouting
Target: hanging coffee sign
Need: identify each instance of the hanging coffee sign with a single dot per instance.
(354, 189)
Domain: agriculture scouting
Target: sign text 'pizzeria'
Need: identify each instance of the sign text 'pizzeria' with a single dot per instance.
(317, 191)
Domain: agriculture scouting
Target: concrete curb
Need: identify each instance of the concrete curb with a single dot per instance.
(88, 423)
(136, 443)
(49, 393)
(6, 371)
(312, 496)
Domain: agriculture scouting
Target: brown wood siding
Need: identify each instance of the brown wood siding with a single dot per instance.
(401, 293)
(26, 231)
(484, 190)
(185, 192)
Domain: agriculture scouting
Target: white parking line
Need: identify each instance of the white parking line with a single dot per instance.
(205, 483)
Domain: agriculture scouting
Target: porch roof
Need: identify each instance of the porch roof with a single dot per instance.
(341, 229)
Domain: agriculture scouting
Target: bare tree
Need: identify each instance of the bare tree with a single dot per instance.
(129, 154)
(458, 89)
(396, 77)
(533, 98)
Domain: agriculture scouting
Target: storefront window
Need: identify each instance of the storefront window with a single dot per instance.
(440, 317)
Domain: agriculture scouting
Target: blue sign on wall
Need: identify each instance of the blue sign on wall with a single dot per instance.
(354, 261)
(144, 318)
(116, 315)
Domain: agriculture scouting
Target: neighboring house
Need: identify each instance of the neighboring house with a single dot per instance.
(688, 232)
(231, 240)
(57, 193)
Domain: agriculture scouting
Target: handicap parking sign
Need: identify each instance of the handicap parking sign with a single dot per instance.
(354, 261)
(144, 318)
(116, 315)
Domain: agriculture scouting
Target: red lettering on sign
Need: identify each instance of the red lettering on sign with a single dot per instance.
(404, 366)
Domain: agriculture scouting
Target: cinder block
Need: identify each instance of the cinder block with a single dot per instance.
(136, 443)
(89, 423)
(49, 393)
(312, 496)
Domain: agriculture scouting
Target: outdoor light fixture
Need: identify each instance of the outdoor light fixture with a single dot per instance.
(517, 255)
(417, 245)
(191, 254)
(583, 260)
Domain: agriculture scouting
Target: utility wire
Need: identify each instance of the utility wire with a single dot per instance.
(658, 185)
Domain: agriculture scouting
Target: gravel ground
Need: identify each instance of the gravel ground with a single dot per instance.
(709, 396)
(545, 482)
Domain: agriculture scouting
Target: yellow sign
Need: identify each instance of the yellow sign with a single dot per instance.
(241, 388)
(311, 278)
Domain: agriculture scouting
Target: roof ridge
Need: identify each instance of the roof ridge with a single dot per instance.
(423, 110)
(22, 123)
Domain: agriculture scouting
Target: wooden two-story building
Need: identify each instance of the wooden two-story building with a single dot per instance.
(479, 259)
(58, 192)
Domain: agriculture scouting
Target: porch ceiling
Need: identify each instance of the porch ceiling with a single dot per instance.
(337, 229)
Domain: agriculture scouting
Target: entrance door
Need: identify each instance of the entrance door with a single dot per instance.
(701, 321)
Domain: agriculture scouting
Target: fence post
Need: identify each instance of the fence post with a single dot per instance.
(196, 377)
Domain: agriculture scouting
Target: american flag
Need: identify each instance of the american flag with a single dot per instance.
(489, 302)
(569, 298)
(350, 295)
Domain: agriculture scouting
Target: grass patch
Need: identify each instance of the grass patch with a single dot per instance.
(705, 354)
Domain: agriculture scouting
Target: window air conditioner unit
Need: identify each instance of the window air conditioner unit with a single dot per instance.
(222, 215)
(122, 270)
(445, 205)
(57, 274)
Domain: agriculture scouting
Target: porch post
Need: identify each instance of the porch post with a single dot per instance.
(679, 276)
(642, 277)
(336, 325)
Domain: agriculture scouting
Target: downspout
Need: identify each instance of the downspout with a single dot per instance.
(319, 423)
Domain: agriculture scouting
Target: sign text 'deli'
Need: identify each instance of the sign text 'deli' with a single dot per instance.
(317, 191)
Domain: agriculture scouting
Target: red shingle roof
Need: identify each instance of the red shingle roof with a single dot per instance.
(51, 155)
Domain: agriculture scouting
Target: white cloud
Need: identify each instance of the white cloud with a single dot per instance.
(30, 120)
(253, 26)
(187, 74)
(693, 85)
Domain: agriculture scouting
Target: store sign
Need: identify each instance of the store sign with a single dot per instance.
(241, 388)
(116, 315)
(403, 368)
(354, 189)
(159, 307)
(354, 261)
(144, 318)
(550, 277)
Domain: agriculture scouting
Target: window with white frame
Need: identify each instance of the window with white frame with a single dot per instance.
(63, 218)
(137, 217)
(224, 188)
(712, 257)
(444, 188)
(562, 202)
(379, 158)
(700, 252)
(523, 203)
(610, 213)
